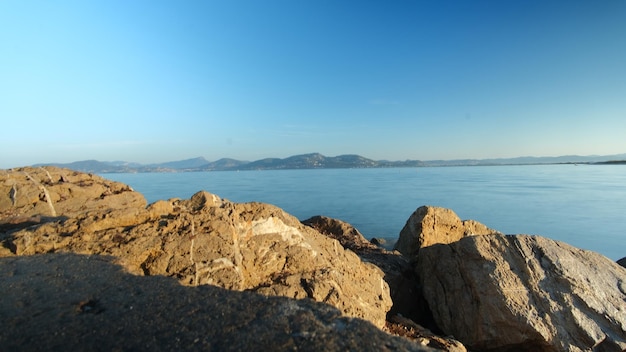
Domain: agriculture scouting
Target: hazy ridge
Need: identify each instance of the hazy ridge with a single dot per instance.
(319, 161)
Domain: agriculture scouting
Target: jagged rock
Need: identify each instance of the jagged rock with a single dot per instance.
(68, 302)
(32, 195)
(400, 276)
(431, 225)
(398, 271)
(207, 240)
(346, 234)
(526, 293)
(378, 241)
(401, 326)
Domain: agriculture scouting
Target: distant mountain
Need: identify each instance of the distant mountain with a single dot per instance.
(311, 161)
(319, 161)
(101, 167)
(223, 164)
(183, 164)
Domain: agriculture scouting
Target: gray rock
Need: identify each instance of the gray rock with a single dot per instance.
(522, 292)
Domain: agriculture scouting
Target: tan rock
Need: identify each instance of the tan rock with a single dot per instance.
(398, 270)
(432, 225)
(400, 277)
(55, 192)
(206, 240)
(497, 292)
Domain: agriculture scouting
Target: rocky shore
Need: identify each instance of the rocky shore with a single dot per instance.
(86, 264)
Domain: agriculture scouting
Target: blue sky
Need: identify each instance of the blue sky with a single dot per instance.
(152, 81)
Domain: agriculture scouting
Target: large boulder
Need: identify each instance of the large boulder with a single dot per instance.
(32, 195)
(68, 302)
(430, 225)
(207, 240)
(497, 292)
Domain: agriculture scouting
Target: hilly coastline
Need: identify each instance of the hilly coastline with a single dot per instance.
(318, 161)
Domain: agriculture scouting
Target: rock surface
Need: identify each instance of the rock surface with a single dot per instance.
(432, 225)
(68, 302)
(51, 192)
(622, 262)
(398, 270)
(497, 292)
(401, 326)
(207, 240)
(400, 276)
(346, 234)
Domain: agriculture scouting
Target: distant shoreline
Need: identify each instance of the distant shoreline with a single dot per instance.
(319, 161)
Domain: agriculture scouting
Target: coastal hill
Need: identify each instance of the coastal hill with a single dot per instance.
(319, 161)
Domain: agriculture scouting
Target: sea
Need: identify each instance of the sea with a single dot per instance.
(583, 205)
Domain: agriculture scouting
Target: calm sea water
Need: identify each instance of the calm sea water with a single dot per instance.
(582, 205)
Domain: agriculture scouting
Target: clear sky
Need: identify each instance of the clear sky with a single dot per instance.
(151, 81)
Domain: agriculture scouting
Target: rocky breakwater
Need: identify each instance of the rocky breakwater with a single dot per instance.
(516, 292)
(250, 247)
(86, 264)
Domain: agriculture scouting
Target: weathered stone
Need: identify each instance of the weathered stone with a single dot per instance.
(400, 277)
(432, 225)
(68, 302)
(34, 194)
(380, 242)
(398, 271)
(346, 234)
(497, 292)
(401, 326)
(207, 240)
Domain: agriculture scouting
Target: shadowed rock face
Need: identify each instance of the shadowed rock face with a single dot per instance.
(522, 292)
(346, 234)
(68, 302)
(432, 225)
(204, 240)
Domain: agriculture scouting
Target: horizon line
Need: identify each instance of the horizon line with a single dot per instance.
(338, 155)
